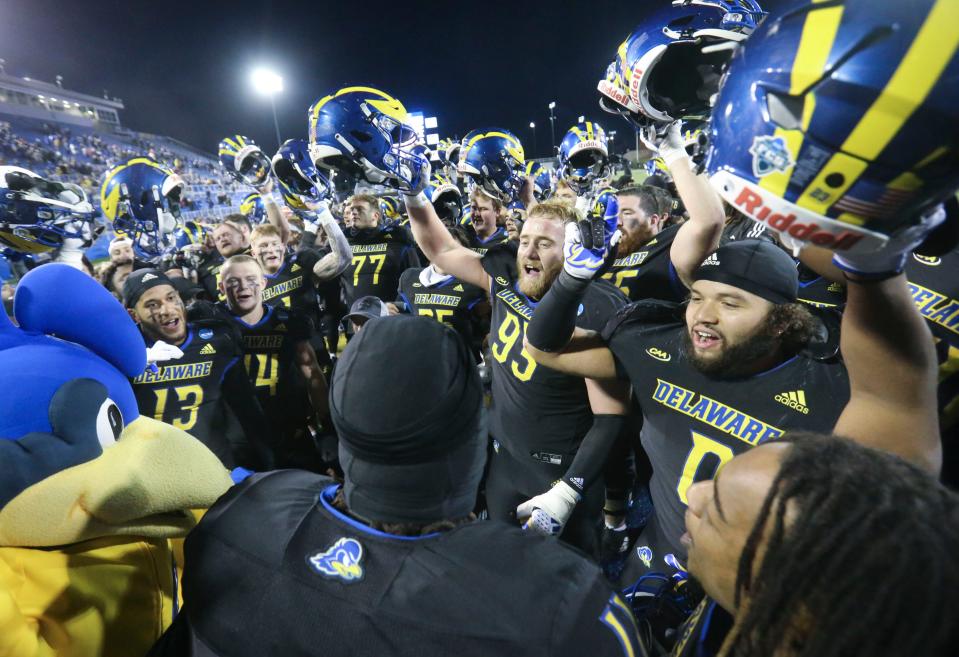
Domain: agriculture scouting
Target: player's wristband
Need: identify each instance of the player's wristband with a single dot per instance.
(417, 201)
(555, 317)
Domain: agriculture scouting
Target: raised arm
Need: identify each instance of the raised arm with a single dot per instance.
(889, 353)
(699, 236)
(439, 246)
(336, 262)
(273, 213)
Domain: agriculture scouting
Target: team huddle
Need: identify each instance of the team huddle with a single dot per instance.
(473, 404)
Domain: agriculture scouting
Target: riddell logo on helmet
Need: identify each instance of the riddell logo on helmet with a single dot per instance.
(615, 92)
(751, 203)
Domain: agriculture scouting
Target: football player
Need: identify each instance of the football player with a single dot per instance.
(487, 219)
(529, 456)
(199, 384)
(277, 356)
(391, 560)
(379, 256)
(431, 292)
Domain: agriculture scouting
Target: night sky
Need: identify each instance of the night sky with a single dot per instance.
(182, 68)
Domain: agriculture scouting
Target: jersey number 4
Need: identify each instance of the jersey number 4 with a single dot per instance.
(189, 398)
(703, 446)
(360, 260)
(506, 336)
(266, 371)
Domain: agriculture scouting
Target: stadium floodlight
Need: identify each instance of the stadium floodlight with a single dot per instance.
(552, 123)
(268, 83)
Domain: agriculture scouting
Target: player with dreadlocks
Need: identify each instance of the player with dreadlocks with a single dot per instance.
(845, 528)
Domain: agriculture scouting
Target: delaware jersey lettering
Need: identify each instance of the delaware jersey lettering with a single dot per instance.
(450, 301)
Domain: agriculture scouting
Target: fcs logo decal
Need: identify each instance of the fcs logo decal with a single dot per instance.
(770, 154)
(205, 334)
(931, 261)
(658, 354)
(795, 400)
(645, 555)
(340, 561)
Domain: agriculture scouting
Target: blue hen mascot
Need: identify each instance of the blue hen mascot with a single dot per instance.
(90, 491)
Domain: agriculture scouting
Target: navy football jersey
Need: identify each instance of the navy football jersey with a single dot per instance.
(321, 582)
(481, 246)
(379, 257)
(536, 411)
(292, 284)
(693, 423)
(934, 284)
(450, 301)
(187, 392)
(818, 291)
(648, 272)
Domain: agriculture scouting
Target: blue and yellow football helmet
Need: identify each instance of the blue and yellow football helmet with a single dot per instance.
(838, 122)
(189, 234)
(253, 208)
(365, 131)
(142, 199)
(391, 210)
(446, 198)
(37, 214)
(584, 156)
(494, 159)
(243, 160)
(671, 65)
(542, 180)
(299, 179)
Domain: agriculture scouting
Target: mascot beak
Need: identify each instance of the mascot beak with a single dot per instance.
(143, 485)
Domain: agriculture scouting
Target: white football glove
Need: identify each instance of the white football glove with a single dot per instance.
(161, 351)
(548, 513)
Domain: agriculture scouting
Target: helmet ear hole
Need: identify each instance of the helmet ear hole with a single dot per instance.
(364, 137)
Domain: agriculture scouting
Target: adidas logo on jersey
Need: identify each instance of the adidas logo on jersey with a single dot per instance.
(148, 277)
(711, 260)
(295, 267)
(458, 288)
(207, 350)
(281, 328)
(795, 400)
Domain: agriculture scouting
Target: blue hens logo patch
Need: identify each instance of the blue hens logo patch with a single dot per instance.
(340, 561)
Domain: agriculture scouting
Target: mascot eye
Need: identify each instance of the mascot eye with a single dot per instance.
(109, 423)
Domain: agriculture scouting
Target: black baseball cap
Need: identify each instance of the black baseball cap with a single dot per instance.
(140, 281)
(756, 266)
(367, 308)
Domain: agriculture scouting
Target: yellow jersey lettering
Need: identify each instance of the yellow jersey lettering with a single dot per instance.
(176, 373)
(729, 420)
